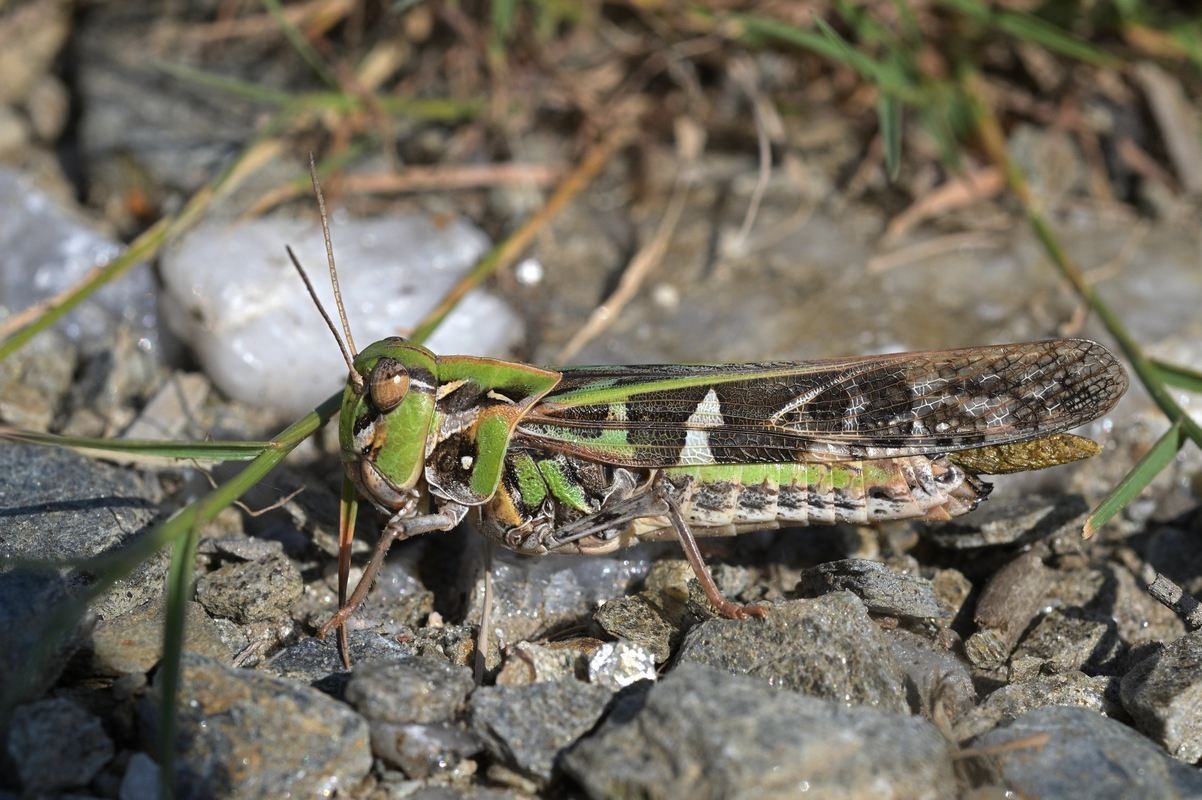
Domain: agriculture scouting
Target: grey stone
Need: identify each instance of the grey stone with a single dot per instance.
(1072, 753)
(133, 642)
(249, 591)
(417, 689)
(616, 665)
(243, 734)
(641, 620)
(1064, 640)
(528, 727)
(883, 590)
(1021, 519)
(60, 505)
(30, 660)
(527, 662)
(318, 663)
(422, 751)
(1097, 693)
(703, 733)
(938, 684)
(1013, 597)
(35, 379)
(534, 596)
(141, 779)
(1163, 693)
(56, 744)
(827, 647)
(48, 247)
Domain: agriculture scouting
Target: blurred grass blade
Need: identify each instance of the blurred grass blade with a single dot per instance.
(179, 592)
(301, 45)
(1034, 30)
(829, 44)
(1179, 376)
(149, 449)
(1134, 482)
(890, 112)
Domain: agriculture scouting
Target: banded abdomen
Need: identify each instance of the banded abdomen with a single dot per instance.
(855, 492)
(540, 493)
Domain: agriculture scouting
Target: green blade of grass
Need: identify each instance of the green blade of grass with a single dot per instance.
(829, 44)
(890, 113)
(179, 592)
(301, 45)
(1034, 30)
(1134, 482)
(141, 448)
(1179, 376)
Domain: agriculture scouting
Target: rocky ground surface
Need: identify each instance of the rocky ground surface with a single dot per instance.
(996, 653)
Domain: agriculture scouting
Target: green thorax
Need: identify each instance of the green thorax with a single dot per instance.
(447, 419)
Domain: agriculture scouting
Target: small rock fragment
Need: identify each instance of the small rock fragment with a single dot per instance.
(527, 662)
(141, 779)
(883, 590)
(1008, 603)
(28, 598)
(826, 647)
(703, 733)
(243, 734)
(528, 727)
(417, 689)
(422, 751)
(616, 665)
(937, 683)
(640, 620)
(1024, 518)
(250, 591)
(56, 744)
(1163, 693)
(1099, 693)
(133, 642)
(1064, 640)
(1078, 754)
(318, 663)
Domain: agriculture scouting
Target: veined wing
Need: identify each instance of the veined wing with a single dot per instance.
(836, 409)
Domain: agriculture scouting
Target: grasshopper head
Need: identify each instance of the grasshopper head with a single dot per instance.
(385, 420)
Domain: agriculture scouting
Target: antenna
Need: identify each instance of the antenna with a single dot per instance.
(356, 378)
(325, 231)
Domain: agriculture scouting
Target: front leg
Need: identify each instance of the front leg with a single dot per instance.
(398, 528)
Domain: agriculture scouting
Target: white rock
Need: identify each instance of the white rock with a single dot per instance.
(618, 664)
(232, 293)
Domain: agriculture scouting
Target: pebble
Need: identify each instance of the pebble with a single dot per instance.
(133, 642)
(535, 596)
(616, 665)
(317, 661)
(529, 662)
(1021, 519)
(56, 744)
(1097, 693)
(882, 589)
(827, 647)
(1078, 754)
(938, 684)
(141, 779)
(1068, 639)
(416, 689)
(251, 591)
(30, 662)
(48, 247)
(704, 733)
(244, 734)
(235, 297)
(1011, 599)
(527, 728)
(1163, 694)
(35, 379)
(422, 751)
(67, 506)
(640, 619)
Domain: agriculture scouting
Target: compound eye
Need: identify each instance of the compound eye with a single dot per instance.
(388, 383)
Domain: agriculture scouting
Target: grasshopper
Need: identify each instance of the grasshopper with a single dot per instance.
(591, 459)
